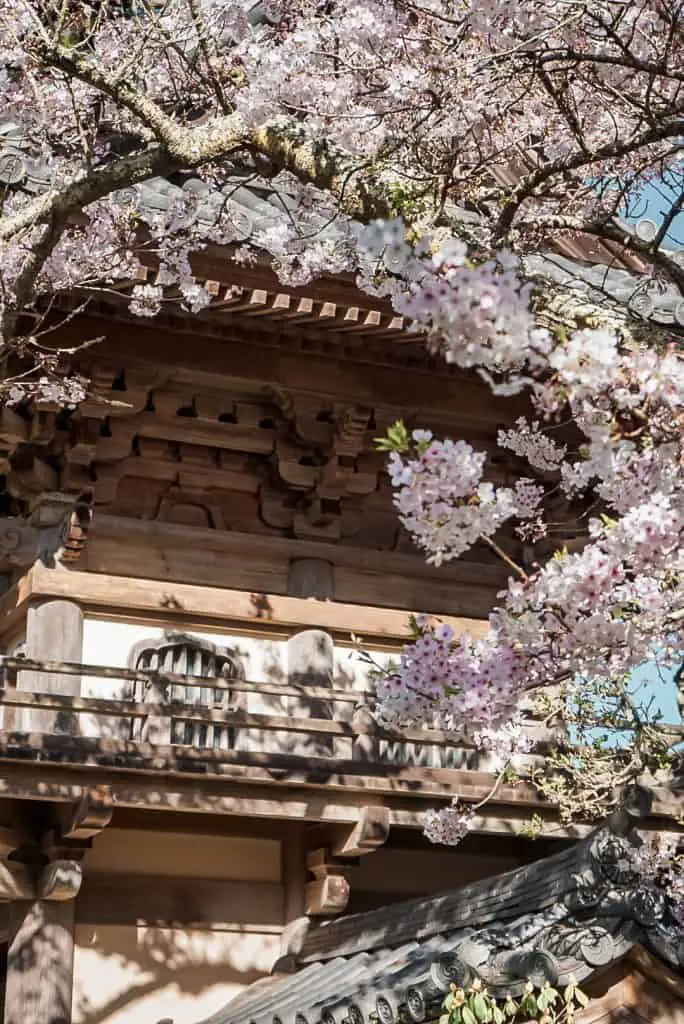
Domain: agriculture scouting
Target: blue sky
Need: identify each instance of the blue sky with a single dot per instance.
(655, 201)
(653, 682)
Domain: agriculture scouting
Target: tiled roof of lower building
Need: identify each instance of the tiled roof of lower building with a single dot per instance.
(567, 915)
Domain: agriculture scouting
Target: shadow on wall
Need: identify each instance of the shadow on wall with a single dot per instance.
(151, 975)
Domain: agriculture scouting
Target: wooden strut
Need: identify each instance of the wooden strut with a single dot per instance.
(60, 879)
(331, 866)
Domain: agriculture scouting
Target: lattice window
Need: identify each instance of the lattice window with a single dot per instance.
(182, 654)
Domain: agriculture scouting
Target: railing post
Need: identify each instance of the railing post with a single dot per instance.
(310, 663)
(366, 745)
(8, 682)
(157, 728)
(54, 632)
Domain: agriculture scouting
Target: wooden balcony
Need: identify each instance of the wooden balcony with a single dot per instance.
(136, 734)
(322, 745)
(328, 743)
(171, 732)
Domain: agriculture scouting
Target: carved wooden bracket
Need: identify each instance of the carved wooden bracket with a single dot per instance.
(329, 892)
(15, 880)
(89, 816)
(60, 881)
(56, 531)
(369, 833)
(65, 847)
(330, 865)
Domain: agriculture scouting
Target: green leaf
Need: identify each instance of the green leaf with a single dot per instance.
(581, 998)
(480, 1008)
(510, 1008)
(547, 998)
(395, 440)
(468, 1015)
(497, 1015)
(529, 1005)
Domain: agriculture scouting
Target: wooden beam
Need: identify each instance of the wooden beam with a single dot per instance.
(391, 785)
(274, 768)
(369, 833)
(251, 354)
(655, 969)
(187, 902)
(197, 555)
(187, 604)
(63, 783)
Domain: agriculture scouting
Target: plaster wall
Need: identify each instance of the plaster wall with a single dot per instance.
(135, 963)
(263, 661)
(131, 974)
(108, 642)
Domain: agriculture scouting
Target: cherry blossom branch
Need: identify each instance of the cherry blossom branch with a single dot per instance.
(517, 569)
(320, 164)
(670, 129)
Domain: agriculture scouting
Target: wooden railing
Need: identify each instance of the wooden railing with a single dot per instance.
(32, 718)
(325, 739)
(340, 727)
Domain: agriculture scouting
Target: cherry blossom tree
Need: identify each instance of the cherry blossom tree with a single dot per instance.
(509, 123)
(450, 148)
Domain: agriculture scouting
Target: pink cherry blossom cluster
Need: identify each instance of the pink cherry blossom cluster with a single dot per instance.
(449, 825)
(530, 442)
(505, 742)
(456, 683)
(433, 96)
(443, 501)
(657, 859)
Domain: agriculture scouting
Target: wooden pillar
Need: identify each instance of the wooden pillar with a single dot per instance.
(40, 962)
(54, 632)
(294, 875)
